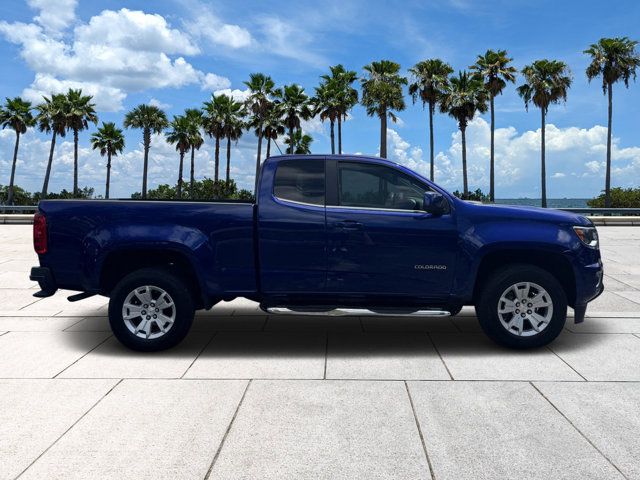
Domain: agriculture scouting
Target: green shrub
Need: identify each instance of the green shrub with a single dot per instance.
(20, 196)
(620, 198)
(203, 190)
(477, 196)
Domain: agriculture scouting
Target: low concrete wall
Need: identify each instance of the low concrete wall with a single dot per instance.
(24, 219)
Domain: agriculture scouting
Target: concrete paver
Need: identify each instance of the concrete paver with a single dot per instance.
(475, 357)
(329, 429)
(145, 429)
(112, 360)
(383, 356)
(601, 357)
(300, 423)
(35, 413)
(261, 355)
(608, 414)
(490, 430)
(36, 324)
(43, 354)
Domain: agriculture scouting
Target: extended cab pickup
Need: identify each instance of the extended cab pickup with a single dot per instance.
(335, 235)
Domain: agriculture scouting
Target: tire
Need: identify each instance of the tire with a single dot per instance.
(505, 290)
(138, 297)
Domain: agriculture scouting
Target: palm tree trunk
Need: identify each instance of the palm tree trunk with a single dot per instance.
(291, 138)
(147, 144)
(492, 166)
(383, 134)
(106, 190)
(543, 170)
(228, 159)
(255, 191)
(45, 185)
(217, 159)
(13, 170)
(339, 134)
(607, 184)
(179, 192)
(75, 163)
(192, 177)
(431, 172)
(268, 147)
(333, 138)
(465, 184)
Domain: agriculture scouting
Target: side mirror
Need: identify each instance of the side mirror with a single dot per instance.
(434, 203)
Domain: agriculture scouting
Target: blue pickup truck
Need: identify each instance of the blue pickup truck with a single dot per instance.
(332, 235)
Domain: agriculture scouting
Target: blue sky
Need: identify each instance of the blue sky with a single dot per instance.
(176, 53)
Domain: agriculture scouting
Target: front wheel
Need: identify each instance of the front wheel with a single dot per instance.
(150, 310)
(522, 306)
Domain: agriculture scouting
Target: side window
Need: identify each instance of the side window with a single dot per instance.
(300, 181)
(377, 186)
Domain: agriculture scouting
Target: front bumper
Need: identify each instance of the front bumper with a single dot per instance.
(590, 288)
(45, 279)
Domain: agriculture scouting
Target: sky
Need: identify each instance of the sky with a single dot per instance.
(177, 53)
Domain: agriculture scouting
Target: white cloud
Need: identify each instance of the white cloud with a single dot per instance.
(289, 40)
(157, 103)
(208, 26)
(575, 155)
(54, 15)
(238, 95)
(213, 82)
(113, 54)
(106, 98)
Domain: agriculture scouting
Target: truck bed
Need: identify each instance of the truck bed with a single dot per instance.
(217, 238)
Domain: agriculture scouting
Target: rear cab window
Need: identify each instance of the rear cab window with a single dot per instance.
(300, 181)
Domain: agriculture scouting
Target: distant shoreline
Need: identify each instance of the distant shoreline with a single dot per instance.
(551, 202)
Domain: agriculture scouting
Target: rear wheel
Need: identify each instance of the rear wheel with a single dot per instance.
(150, 309)
(522, 306)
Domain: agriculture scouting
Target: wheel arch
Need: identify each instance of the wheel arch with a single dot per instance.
(119, 263)
(551, 261)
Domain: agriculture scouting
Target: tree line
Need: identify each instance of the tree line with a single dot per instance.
(272, 113)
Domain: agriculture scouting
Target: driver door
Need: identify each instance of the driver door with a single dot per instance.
(380, 240)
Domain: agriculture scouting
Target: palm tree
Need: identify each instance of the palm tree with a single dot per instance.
(546, 83)
(150, 119)
(296, 107)
(213, 121)
(430, 80)
(80, 111)
(16, 115)
(345, 95)
(465, 95)
(110, 141)
(301, 143)
(196, 141)
(52, 118)
(180, 135)
(382, 93)
(274, 125)
(325, 104)
(261, 87)
(494, 69)
(614, 59)
(232, 127)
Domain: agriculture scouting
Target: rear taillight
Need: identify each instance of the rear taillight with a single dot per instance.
(40, 233)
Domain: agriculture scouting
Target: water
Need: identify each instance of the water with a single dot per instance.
(551, 202)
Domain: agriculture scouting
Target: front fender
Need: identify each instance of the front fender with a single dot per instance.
(479, 241)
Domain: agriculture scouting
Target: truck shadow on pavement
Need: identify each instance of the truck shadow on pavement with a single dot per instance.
(309, 337)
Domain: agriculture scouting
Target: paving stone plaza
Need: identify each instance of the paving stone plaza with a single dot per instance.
(252, 396)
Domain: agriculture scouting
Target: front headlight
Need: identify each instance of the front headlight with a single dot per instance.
(587, 235)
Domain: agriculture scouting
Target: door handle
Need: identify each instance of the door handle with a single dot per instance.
(349, 225)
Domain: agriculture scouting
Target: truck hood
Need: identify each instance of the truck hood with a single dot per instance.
(513, 212)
